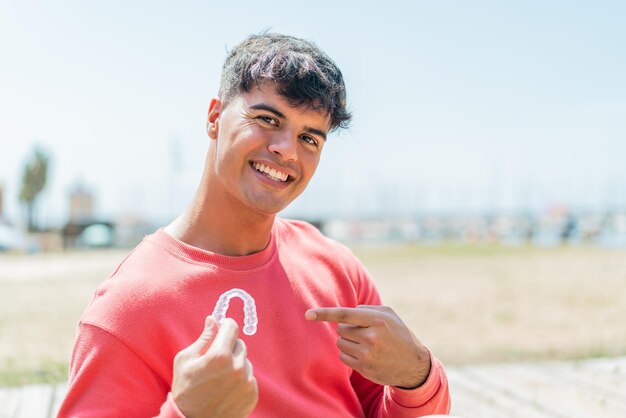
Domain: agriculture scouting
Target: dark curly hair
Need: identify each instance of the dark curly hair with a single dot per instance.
(303, 74)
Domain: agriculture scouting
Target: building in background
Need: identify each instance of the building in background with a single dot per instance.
(81, 205)
(83, 229)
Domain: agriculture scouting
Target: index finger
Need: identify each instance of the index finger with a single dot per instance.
(353, 316)
(226, 337)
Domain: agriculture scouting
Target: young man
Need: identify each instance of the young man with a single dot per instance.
(305, 334)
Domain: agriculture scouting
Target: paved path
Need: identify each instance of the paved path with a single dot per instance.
(585, 389)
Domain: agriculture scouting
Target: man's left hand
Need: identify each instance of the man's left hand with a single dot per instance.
(375, 342)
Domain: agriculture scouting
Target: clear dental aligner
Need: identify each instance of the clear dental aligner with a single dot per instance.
(250, 319)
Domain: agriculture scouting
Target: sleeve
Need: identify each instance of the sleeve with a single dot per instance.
(433, 397)
(108, 379)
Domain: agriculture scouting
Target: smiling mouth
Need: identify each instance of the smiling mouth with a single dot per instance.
(271, 173)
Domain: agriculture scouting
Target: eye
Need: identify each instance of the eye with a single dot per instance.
(269, 120)
(309, 139)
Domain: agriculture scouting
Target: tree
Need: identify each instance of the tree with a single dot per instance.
(33, 182)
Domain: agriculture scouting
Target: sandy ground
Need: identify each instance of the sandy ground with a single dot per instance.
(41, 299)
(469, 304)
(508, 304)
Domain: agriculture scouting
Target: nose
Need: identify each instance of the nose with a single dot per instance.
(284, 144)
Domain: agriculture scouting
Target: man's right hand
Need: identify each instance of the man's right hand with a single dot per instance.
(213, 376)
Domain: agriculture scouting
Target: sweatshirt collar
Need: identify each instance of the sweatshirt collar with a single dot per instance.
(197, 255)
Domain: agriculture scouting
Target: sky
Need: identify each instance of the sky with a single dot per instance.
(458, 105)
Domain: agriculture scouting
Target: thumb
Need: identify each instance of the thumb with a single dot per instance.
(202, 344)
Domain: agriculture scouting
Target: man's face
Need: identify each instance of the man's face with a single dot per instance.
(266, 151)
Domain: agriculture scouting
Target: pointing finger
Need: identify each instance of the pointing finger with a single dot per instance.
(352, 316)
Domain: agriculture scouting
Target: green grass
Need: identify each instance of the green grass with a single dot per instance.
(48, 372)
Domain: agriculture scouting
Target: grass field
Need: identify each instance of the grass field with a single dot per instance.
(469, 304)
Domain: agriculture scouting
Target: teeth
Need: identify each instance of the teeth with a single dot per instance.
(270, 172)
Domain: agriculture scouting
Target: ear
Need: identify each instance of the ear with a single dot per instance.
(215, 111)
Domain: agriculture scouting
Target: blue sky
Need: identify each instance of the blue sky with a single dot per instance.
(457, 105)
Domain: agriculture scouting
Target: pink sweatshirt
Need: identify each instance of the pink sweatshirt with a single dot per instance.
(155, 303)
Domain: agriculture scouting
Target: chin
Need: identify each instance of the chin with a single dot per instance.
(269, 209)
(267, 206)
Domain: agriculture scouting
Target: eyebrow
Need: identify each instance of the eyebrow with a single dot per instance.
(268, 108)
(315, 131)
(263, 106)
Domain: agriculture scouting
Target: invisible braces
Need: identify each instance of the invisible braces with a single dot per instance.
(250, 319)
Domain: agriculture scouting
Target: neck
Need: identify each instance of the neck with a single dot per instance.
(218, 223)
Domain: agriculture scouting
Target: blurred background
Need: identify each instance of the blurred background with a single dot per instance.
(475, 120)
(483, 170)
